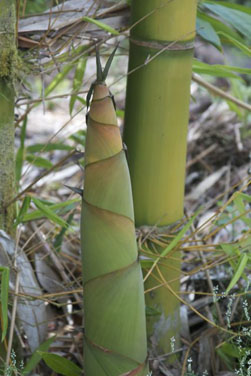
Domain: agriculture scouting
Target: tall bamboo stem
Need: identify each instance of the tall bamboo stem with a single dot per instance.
(8, 56)
(156, 117)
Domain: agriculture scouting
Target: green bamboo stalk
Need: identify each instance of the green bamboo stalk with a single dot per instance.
(114, 307)
(8, 58)
(156, 117)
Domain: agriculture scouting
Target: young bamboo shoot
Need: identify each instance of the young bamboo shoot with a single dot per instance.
(114, 307)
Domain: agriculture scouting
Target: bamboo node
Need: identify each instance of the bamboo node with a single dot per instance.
(168, 45)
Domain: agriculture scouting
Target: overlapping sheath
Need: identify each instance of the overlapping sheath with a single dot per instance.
(114, 307)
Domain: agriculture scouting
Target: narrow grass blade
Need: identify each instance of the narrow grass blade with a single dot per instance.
(50, 214)
(101, 25)
(238, 272)
(4, 299)
(24, 208)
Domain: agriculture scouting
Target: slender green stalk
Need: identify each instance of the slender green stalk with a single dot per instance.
(156, 117)
(114, 307)
(7, 160)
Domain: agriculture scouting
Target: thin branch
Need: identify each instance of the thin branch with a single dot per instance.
(216, 91)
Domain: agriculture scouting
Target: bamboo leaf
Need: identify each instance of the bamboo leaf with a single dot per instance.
(219, 70)
(77, 81)
(24, 208)
(60, 365)
(36, 356)
(49, 213)
(206, 31)
(59, 238)
(239, 203)
(239, 7)
(66, 206)
(240, 20)
(218, 25)
(4, 299)
(238, 273)
(246, 50)
(58, 79)
(39, 148)
(39, 161)
(101, 25)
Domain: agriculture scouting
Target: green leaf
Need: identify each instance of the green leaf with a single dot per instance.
(61, 365)
(59, 238)
(218, 25)
(239, 7)
(39, 161)
(65, 205)
(238, 272)
(48, 212)
(58, 79)
(21, 151)
(241, 21)
(206, 31)
(79, 137)
(36, 357)
(219, 70)
(230, 350)
(24, 208)
(246, 50)
(101, 25)
(47, 147)
(240, 205)
(230, 249)
(4, 299)
(78, 80)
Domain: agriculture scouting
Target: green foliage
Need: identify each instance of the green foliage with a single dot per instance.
(4, 293)
(101, 25)
(220, 22)
(78, 80)
(60, 365)
(36, 356)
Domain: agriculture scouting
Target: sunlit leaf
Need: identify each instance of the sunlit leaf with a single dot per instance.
(61, 365)
(39, 161)
(47, 147)
(219, 70)
(58, 79)
(101, 25)
(49, 213)
(63, 207)
(36, 357)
